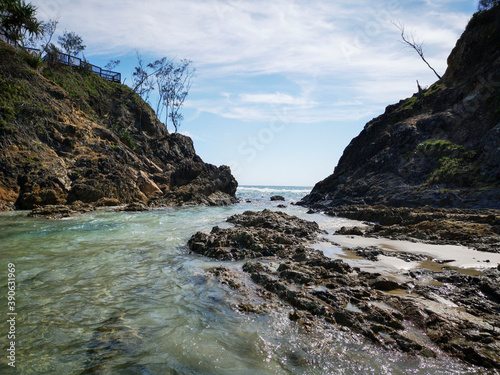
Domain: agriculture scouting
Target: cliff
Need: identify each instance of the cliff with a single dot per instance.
(440, 147)
(68, 135)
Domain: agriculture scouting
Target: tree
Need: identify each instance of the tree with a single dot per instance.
(141, 80)
(410, 41)
(17, 19)
(177, 90)
(171, 80)
(112, 64)
(44, 39)
(487, 4)
(71, 43)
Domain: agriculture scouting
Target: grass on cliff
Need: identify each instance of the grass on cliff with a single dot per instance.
(28, 101)
(455, 164)
(16, 99)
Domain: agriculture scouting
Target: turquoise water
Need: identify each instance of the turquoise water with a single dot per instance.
(120, 293)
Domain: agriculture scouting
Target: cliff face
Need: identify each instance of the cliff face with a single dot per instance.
(440, 147)
(67, 135)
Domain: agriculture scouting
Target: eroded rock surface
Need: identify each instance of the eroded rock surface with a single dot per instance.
(68, 136)
(457, 314)
(479, 229)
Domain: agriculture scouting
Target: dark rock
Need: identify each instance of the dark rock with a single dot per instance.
(320, 289)
(381, 283)
(107, 202)
(133, 207)
(467, 227)
(277, 198)
(61, 211)
(439, 148)
(67, 147)
(355, 231)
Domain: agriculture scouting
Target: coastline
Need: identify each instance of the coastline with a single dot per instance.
(407, 295)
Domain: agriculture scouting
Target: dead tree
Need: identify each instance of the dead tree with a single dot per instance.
(410, 41)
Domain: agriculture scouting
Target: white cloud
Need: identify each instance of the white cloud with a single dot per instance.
(332, 51)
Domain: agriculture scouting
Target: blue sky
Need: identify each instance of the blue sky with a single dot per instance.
(281, 86)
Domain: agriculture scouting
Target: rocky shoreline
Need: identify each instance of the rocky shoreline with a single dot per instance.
(478, 229)
(422, 312)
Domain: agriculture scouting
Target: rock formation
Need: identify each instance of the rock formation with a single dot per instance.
(439, 148)
(455, 313)
(67, 135)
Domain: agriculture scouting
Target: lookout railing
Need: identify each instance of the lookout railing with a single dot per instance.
(65, 59)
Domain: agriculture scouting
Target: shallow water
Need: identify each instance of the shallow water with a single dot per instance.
(119, 293)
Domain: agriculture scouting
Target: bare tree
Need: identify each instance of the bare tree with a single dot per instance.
(141, 79)
(410, 41)
(44, 39)
(112, 64)
(177, 91)
(171, 80)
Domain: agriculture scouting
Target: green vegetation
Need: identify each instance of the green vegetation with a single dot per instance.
(433, 89)
(127, 138)
(409, 103)
(10, 97)
(455, 164)
(487, 4)
(71, 43)
(18, 19)
(455, 171)
(439, 147)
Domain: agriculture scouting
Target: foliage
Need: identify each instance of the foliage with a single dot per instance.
(43, 40)
(83, 87)
(410, 103)
(455, 165)
(439, 147)
(172, 82)
(17, 19)
(487, 4)
(71, 43)
(112, 64)
(127, 138)
(433, 89)
(35, 61)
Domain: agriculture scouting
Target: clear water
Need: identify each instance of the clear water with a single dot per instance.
(120, 293)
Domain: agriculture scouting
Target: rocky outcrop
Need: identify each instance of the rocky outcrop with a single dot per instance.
(440, 147)
(458, 314)
(67, 135)
(479, 229)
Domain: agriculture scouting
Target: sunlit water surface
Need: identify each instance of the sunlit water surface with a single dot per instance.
(120, 293)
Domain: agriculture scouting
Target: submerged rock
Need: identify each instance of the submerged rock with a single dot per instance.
(110, 344)
(61, 211)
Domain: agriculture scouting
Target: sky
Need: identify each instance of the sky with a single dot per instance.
(281, 86)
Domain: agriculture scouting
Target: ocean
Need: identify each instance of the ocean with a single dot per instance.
(120, 293)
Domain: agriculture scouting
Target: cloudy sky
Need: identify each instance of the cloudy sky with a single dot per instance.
(281, 86)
